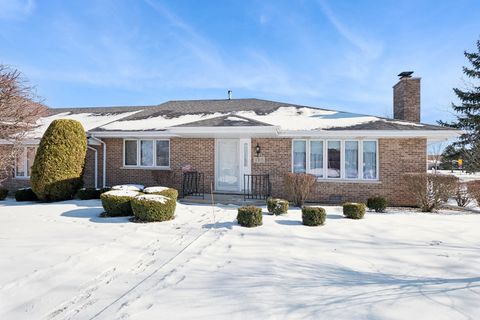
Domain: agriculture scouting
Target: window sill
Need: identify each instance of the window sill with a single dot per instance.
(147, 168)
(349, 180)
(21, 178)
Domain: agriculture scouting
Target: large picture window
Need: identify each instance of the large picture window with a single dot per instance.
(146, 153)
(24, 162)
(336, 159)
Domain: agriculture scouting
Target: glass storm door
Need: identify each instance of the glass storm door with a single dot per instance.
(228, 165)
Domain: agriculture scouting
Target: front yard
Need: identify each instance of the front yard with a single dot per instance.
(61, 261)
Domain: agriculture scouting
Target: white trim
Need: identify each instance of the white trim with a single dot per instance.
(239, 159)
(138, 164)
(377, 164)
(245, 168)
(359, 134)
(104, 160)
(25, 162)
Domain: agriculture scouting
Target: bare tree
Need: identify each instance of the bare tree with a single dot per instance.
(436, 150)
(20, 108)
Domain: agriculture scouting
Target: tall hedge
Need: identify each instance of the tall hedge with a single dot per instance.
(58, 167)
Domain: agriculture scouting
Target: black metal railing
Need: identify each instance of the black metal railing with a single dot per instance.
(256, 186)
(193, 184)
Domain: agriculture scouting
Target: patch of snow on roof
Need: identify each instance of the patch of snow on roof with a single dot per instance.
(291, 118)
(403, 123)
(232, 118)
(153, 197)
(130, 187)
(157, 123)
(88, 120)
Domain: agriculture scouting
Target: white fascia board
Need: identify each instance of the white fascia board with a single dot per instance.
(429, 134)
(131, 134)
(25, 142)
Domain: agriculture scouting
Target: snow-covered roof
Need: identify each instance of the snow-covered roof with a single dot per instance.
(225, 113)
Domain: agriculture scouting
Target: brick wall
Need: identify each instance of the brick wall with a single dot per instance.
(396, 157)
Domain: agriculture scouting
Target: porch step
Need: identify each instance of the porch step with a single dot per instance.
(221, 198)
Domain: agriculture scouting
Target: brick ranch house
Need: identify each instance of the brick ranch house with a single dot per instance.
(353, 156)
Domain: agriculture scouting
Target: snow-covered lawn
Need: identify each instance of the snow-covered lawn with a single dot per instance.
(61, 261)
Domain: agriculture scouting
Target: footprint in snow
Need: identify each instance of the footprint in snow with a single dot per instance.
(435, 243)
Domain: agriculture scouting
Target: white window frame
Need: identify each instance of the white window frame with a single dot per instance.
(138, 165)
(359, 164)
(342, 159)
(25, 163)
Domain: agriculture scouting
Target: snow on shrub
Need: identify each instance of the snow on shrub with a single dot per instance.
(462, 196)
(58, 167)
(164, 191)
(379, 204)
(117, 202)
(430, 190)
(153, 207)
(354, 210)
(3, 193)
(277, 206)
(25, 194)
(249, 216)
(129, 187)
(88, 193)
(313, 216)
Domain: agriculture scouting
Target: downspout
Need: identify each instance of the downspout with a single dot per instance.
(104, 167)
(96, 165)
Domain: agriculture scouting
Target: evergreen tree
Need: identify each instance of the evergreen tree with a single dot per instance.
(468, 112)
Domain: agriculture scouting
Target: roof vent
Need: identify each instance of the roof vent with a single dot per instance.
(229, 94)
(405, 74)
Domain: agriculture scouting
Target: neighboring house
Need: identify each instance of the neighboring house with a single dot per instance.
(354, 156)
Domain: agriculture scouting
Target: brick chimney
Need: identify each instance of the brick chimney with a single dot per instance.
(406, 98)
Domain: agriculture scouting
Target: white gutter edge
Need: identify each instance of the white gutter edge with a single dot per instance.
(96, 165)
(104, 167)
(437, 134)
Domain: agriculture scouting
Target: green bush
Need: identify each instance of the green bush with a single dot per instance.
(379, 204)
(117, 202)
(3, 193)
(313, 216)
(277, 206)
(249, 216)
(163, 191)
(25, 194)
(58, 166)
(354, 210)
(153, 207)
(88, 193)
(105, 189)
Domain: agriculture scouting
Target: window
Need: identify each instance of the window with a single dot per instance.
(24, 162)
(316, 158)
(299, 156)
(334, 159)
(147, 153)
(369, 160)
(351, 159)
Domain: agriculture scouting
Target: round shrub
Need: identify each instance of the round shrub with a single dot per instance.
(153, 207)
(249, 216)
(354, 210)
(25, 194)
(129, 187)
(163, 191)
(313, 216)
(379, 204)
(3, 193)
(277, 206)
(117, 202)
(58, 166)
(88, 193)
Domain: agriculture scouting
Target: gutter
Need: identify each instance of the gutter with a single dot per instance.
(104, 167)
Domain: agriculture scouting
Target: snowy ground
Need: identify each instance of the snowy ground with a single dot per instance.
(462, 175)
(60, 261)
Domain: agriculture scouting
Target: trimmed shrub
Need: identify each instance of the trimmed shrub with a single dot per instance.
(313, 216)
(105, 189)
(3, 193)
(462, 196)
(58, 167)
(430, 190)
(249, 216)
(353, 210)
(117, 202)
(129, 187)
(298, 186)
(153, 207)
(379, 204)
(25, 194)
(163, 191)
(474, 190)
(277, 206)
(88, 193)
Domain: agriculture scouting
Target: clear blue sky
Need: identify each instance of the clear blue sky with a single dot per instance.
(342, 55)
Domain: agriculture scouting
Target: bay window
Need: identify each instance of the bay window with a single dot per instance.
(336, 159)
(146, 153)
(24, 161)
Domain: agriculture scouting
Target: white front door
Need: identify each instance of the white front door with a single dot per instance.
(232, 162)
